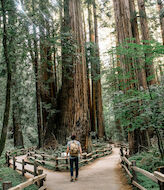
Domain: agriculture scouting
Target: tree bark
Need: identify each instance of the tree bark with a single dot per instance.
(161, 13)
(99, 103)
(47, 89)
(140, 71)
(37, 85)
(74, 113)
(93, 67)
(149, 67)
(8, 87)
(13, 58)
(124, 34)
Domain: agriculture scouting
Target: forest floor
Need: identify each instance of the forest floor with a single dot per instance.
(102, 174)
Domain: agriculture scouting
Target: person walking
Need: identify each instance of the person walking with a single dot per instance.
(74, 148)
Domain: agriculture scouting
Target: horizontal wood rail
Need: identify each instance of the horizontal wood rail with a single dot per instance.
(12, 161)
(21, 151)
(38, 179)
(59, 162)
(131, 169)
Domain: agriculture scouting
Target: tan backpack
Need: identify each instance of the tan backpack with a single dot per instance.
(74, 149)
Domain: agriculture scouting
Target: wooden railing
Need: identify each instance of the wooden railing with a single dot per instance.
(131, 169)
(21, 151)
(59, 163)
(12, 161)
(37, 179)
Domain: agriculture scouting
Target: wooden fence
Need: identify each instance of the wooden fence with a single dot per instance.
(59, 163)
(42, 158)
(39, 180)
(131, 169)
(12, 161)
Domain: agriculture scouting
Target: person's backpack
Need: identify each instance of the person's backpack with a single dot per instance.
(74, 149)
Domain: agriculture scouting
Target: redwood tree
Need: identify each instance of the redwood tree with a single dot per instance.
(74, 112)
(8, 85)
(161, 14)
(99, 103)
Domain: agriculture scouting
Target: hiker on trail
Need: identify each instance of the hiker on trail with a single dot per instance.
(73, 148)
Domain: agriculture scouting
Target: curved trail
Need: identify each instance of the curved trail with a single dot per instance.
(103, 174)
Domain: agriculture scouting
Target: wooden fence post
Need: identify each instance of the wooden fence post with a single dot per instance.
(103, 151)
(126, 154)
(6, 155)
(14, 163)
(41, 181)
(121, 151)
(133, 172)
(43, 158)
(57, 164)
(23, 167)
(67, 164)
(161, 184)
(35, 155)
(8, 159)
(6, 185)
(35, 168)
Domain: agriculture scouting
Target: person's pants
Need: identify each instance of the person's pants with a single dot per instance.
(72, 160)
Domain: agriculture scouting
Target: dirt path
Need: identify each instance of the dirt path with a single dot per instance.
(103, 174)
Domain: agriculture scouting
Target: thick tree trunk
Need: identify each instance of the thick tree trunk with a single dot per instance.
(74, 113)
(93, 67)
(88, 72)
(18, 136)
(99, 103)
(140, 71)
(16, 113)
(8, 87)
(124, 31)
(161, 8)
(47, 90)
(17, 131)
(149, 68)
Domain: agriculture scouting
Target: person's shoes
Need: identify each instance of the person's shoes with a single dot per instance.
(76, 178)
(71, 180)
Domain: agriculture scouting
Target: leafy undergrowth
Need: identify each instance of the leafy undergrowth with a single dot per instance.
(8, 174)
(148, 161)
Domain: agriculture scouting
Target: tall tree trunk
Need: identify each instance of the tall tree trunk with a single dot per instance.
(35, 61)
(161, 13)
(74, 113)
(93, 66)
(17, 131)
(88, 71)
(8, 87)
(16, 113)
(149, 68)
(99, 105)
(140, 71)
(124, 31)
(48, 93)
(18, 136)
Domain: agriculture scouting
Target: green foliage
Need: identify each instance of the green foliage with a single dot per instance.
(130, 104)
(148, 161)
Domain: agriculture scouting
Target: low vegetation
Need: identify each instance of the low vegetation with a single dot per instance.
(148, 161)
(8, 174)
